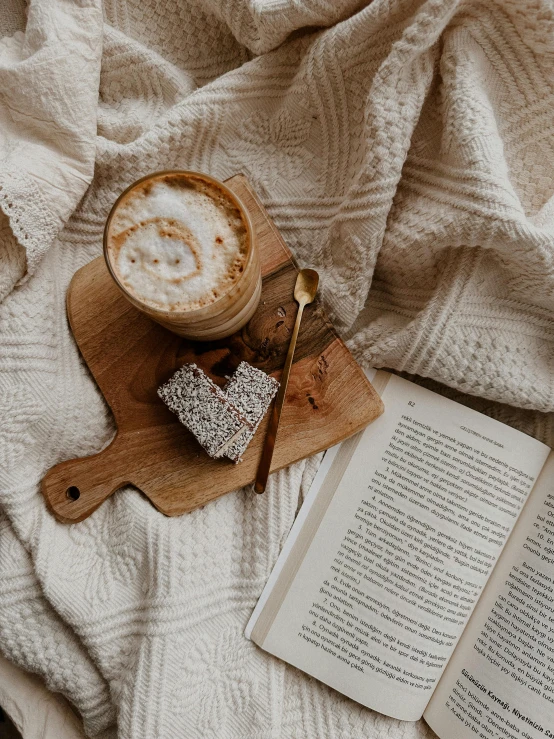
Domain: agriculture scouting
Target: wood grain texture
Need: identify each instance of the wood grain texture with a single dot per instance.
(130, 356)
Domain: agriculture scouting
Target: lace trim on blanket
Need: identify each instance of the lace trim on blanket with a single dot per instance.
(32, 222)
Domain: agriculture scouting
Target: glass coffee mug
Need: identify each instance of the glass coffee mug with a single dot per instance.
(181, 248)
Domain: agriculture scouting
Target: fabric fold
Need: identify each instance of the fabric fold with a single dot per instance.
(49, 78)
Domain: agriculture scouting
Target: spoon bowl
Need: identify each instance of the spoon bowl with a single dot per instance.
(306, 285)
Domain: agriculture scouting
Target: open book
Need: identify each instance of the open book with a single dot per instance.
(418, 578)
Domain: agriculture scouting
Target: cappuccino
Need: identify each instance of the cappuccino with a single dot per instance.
(177, 242)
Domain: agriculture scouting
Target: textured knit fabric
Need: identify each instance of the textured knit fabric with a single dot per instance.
(405, 148)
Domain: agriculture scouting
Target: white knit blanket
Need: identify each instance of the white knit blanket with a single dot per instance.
(405, 148)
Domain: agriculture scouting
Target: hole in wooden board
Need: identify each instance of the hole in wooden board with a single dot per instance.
(73, 493)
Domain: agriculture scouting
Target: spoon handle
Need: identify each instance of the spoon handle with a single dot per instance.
(269, 445)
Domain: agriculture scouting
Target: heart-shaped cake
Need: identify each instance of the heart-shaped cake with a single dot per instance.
(223, 421)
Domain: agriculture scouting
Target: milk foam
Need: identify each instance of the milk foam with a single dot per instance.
(177, 243)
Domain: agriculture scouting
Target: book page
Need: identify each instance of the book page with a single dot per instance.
(500, 680)
(315, 487)
(385, 568)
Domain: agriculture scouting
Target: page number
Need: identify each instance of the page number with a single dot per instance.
(411, 402)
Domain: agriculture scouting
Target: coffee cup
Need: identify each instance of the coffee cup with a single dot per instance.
(180, 246)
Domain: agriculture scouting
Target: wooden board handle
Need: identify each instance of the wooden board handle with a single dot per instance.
(74, 489)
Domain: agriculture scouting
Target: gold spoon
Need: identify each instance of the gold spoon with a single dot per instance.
(305, 291)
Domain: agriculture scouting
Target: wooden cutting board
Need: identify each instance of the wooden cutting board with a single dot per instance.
(130, 356)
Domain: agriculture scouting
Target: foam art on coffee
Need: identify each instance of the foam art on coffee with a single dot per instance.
(177, 243)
